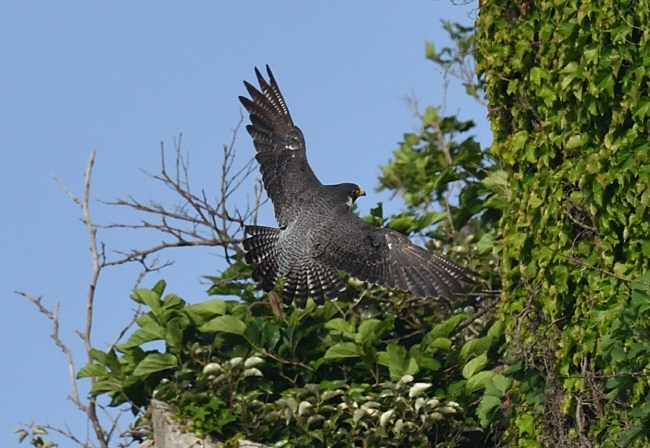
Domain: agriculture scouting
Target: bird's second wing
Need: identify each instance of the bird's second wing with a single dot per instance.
(386, 257)
(280, 147)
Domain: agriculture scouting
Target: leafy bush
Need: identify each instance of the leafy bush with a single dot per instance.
(380, 371)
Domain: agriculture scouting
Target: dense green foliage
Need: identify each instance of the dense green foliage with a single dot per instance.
(568, 84)
(382, 371)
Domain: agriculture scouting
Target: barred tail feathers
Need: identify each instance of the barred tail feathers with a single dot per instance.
(311, 279)
(261, 251)
(305, 278)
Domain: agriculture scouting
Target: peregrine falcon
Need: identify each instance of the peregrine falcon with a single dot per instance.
(319, 235)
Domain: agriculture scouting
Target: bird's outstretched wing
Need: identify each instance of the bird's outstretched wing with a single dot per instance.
(280, 147)
(386, 257)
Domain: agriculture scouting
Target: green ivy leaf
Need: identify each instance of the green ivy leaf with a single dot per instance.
(565, 29)
(576, 140)
(519, 140)
(526, 423)
(536, 75)
(642, 109)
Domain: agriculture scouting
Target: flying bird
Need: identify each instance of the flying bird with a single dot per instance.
(318, 233)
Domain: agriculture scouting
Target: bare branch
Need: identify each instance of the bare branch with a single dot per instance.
(92, 233)
(91, 410)
(54, 317)
(196, 221)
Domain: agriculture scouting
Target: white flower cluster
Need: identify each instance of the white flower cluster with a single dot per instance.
(398, 406)
(218, 372)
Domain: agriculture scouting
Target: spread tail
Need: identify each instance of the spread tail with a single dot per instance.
(304, 278)
(261, 252)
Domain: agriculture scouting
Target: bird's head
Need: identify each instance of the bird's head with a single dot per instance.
(351, 192)
(344, 193)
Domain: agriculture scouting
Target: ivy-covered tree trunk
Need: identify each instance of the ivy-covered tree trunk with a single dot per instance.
(568, 84)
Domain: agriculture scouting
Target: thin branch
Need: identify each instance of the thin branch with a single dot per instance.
(92, 233)
(54, 317)
(196, 221)
(91, 411)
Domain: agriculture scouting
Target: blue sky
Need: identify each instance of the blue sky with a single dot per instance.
(122, 77)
